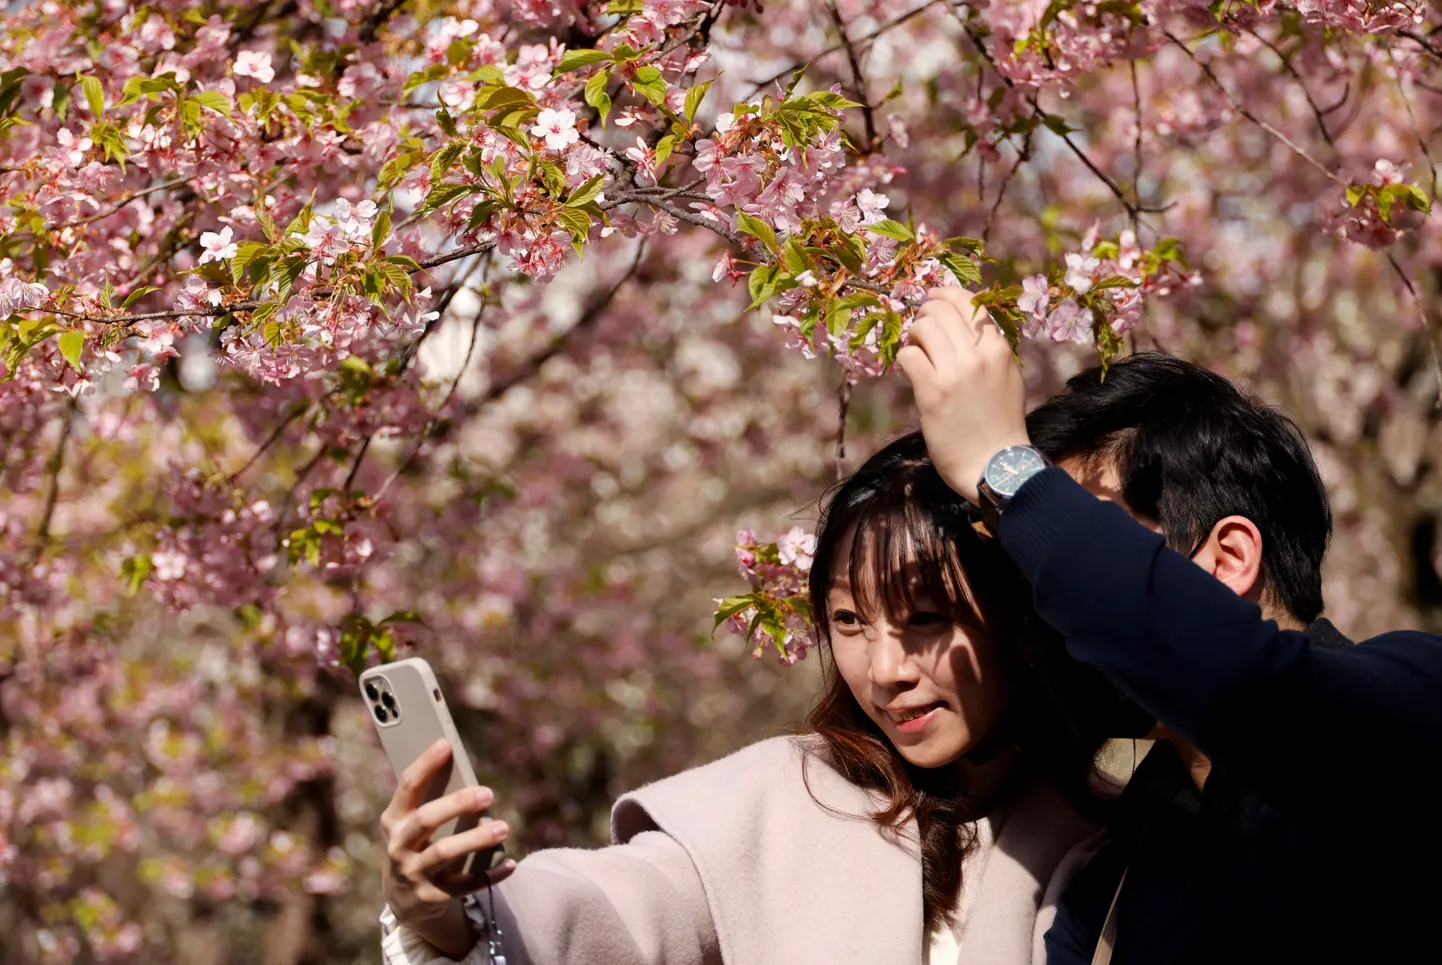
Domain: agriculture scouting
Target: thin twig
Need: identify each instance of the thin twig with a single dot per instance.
(843, 405)
(274, 437)
(1287, 64)
(1137, 144)
(1422, 42)
(858, 80)
(1242, 110)
(1433, 336)
(118, 205)
(863, 44)
(1022, 157)
(52, 483)
(1133, 210)
(1412, 117)
(356, 464)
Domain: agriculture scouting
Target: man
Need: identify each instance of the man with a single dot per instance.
(1289, 816)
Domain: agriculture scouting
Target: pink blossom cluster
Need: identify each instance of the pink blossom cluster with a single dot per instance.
(776, 614)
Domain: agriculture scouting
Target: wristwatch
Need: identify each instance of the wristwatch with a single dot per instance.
(1006, 472)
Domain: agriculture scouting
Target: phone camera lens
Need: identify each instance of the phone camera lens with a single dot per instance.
(381, 714)
(389, 700)
(372, 692)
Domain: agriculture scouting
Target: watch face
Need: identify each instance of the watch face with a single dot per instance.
(1011, 467)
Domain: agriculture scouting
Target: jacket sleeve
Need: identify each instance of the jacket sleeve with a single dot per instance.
(637, 902)
(1264, 704)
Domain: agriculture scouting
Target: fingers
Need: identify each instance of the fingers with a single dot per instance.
(974, 321)
(465, 884)
(414, 779)
(416, 829)
(448, 849)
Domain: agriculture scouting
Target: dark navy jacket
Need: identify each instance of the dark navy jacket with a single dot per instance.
(1318, 835)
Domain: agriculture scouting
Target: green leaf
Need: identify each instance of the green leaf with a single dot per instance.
(596, 94)
(443, 194)
(140, 292)
(664, 147)
(576, 59)
(1385, 199)
(794, 258)
(61, 104)
(213, 100)
(1415, 198)
(443, 159)
(300, 224)
(1057, 125)
(403, 616)
(758, 229)
(94, 95)
(963, 268)
(71, 345)
(405, 261)
(694, 96)
(649, 83)
(245, 253)
(133, 571)
(623, 7)
(1355, 193)
(729, 607)
(261, 317)
(1113, 281)
(586, 193)
(762, 285)
(829, 100)
(578, 223)
(382, 228)
(422, 77)
(446, 123)
(891, 229)
(394, 170)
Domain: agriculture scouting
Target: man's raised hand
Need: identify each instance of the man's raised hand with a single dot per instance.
(968, 387)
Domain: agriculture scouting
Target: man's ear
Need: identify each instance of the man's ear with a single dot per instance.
(1233, 554)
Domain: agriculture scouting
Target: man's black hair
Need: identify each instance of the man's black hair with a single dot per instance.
(1190, 448)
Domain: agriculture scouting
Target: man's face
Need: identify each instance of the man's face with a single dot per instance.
(1100, 478)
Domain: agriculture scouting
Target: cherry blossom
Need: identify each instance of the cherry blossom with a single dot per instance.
(254, 64)
(558, 127)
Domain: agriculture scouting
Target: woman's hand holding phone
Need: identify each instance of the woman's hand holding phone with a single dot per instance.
(421, 878)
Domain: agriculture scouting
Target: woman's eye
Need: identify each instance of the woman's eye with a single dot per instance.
(845, 619)
(929, 620)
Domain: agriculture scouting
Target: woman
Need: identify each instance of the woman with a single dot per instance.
(931, 815)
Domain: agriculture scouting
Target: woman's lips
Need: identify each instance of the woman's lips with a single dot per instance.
(917, 719)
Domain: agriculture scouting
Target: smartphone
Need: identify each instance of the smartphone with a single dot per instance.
(410, 714)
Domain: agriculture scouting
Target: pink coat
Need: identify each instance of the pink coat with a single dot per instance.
(735, 862)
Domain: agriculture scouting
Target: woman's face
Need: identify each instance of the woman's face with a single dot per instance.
(934, 687)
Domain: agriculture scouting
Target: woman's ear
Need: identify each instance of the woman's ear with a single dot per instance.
(1233, 554)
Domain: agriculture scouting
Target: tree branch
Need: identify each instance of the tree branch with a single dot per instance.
(440, 426)
(377, 17)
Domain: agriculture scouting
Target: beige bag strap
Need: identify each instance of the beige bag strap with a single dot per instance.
(1108, 939)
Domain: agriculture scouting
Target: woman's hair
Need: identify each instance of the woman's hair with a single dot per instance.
(914, 540)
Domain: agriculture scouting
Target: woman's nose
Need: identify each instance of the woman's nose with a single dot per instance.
(890, 662)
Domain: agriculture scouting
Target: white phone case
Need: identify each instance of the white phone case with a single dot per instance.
(407, 695)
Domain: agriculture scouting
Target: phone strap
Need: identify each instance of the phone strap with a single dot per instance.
(495, 941)
(1108, 940)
